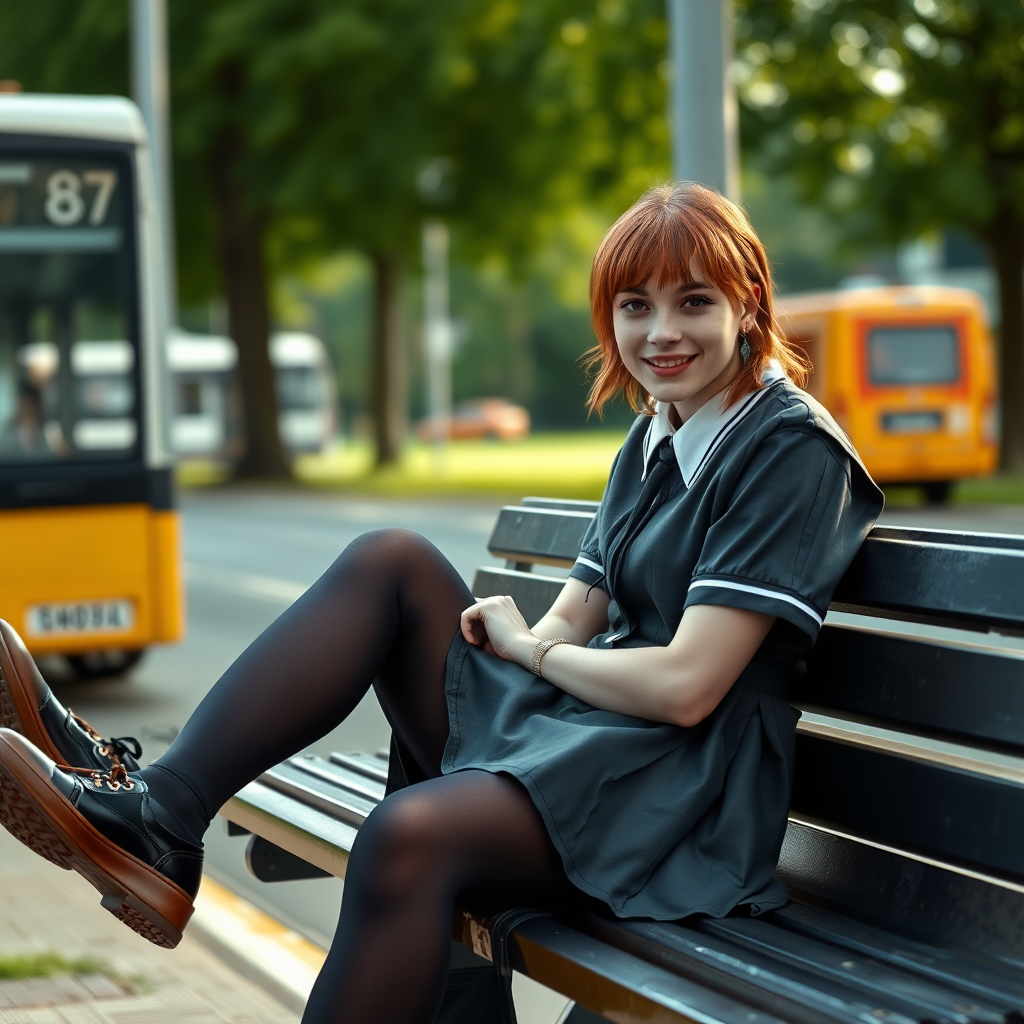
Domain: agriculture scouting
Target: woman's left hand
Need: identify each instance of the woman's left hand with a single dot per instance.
(497, 625)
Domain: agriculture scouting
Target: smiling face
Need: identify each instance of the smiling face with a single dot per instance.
(681, 341)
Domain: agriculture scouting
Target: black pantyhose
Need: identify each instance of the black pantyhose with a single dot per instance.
(384, 614)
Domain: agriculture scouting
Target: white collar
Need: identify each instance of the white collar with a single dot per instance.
(705, 430)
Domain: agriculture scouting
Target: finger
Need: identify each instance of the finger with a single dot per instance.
(469, 624)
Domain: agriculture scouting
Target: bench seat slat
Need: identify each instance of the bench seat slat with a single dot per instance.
(932, 684)
(336, 775)
(370, 765)
(324, 796)
(986, 981)
(878, 981)
(945, 812)
(612, 983)
(316, 837)
(792, 993)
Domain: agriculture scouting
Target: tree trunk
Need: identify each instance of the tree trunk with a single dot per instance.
(245, 283)
(390, 405)
(1006, 236)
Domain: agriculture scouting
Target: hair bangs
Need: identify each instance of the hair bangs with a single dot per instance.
(669, 231)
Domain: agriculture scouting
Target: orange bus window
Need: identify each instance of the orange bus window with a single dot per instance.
(910, 355)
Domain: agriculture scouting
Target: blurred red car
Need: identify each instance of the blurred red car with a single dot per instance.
(494, 418)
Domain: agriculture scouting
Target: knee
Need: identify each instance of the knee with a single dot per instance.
(384, 548)
(400, 850)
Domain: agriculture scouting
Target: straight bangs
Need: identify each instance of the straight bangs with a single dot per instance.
(659, 236)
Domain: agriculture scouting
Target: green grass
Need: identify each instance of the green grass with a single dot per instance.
(1002, 489)
(568, 465)
(45, 965)
(563, 465)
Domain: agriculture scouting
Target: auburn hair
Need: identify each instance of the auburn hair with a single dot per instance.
(658, 236)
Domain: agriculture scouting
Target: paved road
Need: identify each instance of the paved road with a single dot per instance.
(249, 554)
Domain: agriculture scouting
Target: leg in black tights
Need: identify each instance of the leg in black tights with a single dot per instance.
(384, 615)
(470, 834)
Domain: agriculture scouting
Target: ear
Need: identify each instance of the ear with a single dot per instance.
(751, 304)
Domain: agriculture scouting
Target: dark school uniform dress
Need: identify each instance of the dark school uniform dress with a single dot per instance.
(759, 506)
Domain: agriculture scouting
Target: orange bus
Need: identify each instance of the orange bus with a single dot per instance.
(908, 373)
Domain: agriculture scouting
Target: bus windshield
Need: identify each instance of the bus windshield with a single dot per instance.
(69, 380)
(914, 355)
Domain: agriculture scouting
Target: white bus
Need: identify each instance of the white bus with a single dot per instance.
(207, 418)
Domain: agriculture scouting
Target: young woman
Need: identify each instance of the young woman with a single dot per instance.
(634, 745)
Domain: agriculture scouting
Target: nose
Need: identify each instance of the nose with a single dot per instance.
(664, 329)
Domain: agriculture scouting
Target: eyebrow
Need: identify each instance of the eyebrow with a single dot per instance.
(691, 287)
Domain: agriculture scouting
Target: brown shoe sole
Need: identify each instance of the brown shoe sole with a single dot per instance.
(34, 811)
(18, 710)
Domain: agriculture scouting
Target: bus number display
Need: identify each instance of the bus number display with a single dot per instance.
(65, 205)
(62, 195)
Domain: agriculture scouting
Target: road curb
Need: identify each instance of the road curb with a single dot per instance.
(279, 960)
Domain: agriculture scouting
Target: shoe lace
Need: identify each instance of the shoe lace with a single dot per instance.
(117, 778)
(114, 748)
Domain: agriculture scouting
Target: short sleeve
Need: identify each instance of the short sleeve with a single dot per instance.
(790, 529)
(588, 566)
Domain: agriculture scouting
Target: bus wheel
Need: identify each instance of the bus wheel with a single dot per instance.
(103, 664)
(936, 492)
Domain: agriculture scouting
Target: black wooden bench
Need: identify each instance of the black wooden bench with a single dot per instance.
(904, 854)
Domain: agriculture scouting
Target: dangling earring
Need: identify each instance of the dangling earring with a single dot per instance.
(744, 347)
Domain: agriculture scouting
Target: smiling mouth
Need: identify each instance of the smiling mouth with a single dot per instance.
(664, 365)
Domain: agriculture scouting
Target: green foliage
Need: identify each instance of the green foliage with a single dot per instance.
(896, 115)
(544, 120)
(45, 965)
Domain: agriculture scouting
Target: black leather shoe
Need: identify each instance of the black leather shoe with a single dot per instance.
(28, 706)
(107, 827)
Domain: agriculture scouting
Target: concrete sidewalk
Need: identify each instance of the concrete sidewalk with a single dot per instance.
(46, 910)
(235, 965)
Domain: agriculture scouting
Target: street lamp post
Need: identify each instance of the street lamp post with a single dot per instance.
(150, 89)
(703, 99)
(437, 330)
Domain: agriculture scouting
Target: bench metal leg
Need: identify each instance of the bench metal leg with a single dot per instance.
(269, 863)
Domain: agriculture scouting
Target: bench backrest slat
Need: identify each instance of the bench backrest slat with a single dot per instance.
(533, 595)
(976, 580)
(938, 810)
(562, 504)
(917, 684)
(544, 536)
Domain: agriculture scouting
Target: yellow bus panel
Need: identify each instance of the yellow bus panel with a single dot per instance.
(908, 373)
(91, 577)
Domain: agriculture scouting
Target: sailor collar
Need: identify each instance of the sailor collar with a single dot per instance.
(698, 438)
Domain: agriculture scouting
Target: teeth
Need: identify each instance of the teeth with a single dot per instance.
(665, 363)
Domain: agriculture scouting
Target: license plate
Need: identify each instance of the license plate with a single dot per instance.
(81, 617)
(912, 422)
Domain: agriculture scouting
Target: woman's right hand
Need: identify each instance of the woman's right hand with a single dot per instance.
(497, 625)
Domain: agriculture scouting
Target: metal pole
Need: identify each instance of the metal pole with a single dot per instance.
(437, 329)
(151, 92)
(705, 145)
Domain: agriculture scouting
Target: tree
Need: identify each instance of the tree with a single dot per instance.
(900, 116)
(301, 127)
